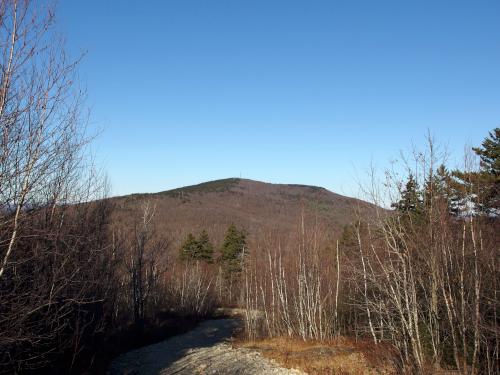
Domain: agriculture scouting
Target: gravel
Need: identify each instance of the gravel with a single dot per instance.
(204, 350)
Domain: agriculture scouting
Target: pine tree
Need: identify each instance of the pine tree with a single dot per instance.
(233, 251)
(482, 188)
(189, 248)
(411, 198)
(489, 152)
(200, 249)
(205, 249)
(440, 188)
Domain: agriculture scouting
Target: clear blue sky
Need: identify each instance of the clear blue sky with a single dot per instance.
(281, 91)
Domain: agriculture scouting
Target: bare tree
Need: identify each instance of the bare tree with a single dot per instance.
(420, 277)
(290, 296)
(54, 276)
(423, 278)
(40, 115)
(142, 252)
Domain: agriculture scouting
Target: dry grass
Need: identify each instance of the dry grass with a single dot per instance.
(341, 356)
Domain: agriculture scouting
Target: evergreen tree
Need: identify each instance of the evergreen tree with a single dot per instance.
(197, 249)
(411, 198)
(189, 248)
(442, 189)
(489, 152)
(482, 188)
(205, 249)
(233, 251)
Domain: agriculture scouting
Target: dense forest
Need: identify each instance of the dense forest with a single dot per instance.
(419, 275)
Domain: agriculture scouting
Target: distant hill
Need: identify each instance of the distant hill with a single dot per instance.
(263, 209)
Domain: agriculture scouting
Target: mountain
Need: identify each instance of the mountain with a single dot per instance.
(262, 209)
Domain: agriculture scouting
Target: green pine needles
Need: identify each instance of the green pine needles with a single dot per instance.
(200, 249)
(233, 251)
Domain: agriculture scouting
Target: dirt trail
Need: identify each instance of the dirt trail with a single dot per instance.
(204, 350)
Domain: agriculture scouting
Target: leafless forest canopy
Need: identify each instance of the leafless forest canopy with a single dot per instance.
(80, 272)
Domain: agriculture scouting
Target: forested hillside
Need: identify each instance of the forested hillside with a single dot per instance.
(262, 209)
(406, 282)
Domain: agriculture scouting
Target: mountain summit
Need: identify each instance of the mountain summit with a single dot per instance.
(261, 208)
